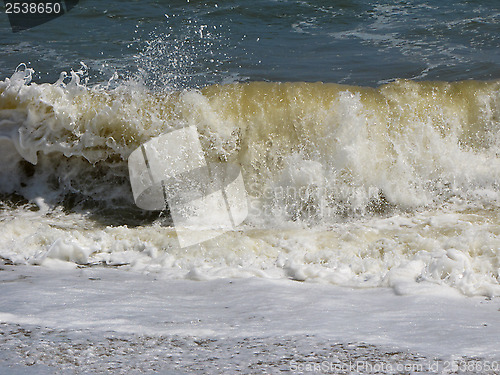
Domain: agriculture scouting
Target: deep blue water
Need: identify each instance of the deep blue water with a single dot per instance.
(194, 43)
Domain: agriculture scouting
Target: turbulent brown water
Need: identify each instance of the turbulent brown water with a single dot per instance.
(350, 185)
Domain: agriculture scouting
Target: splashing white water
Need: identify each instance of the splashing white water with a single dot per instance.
(395, 186)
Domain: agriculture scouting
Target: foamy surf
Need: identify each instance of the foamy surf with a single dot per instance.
(93, 320)
(371, 240)
(395, 186)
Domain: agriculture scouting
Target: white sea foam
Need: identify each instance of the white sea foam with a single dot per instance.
(105, 319)
(395, 186)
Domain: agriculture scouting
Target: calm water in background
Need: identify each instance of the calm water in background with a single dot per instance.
(193, 43)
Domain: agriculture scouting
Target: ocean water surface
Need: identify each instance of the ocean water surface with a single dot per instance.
(367, 133)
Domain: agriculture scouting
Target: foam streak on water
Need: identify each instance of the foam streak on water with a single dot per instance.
(394, 186)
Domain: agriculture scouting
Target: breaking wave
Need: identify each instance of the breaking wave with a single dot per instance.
(390, 186)
(303, 147)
